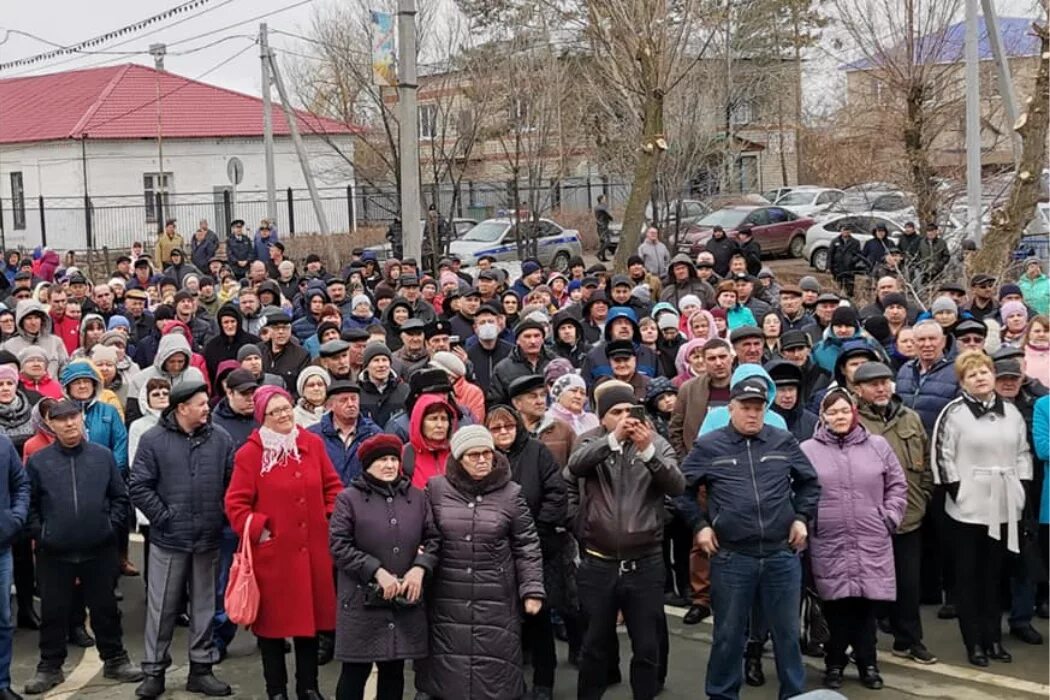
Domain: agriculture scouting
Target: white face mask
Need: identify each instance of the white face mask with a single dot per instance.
(488, 331)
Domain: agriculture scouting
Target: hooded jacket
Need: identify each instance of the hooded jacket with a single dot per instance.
(223, 347)
(52, 345)
(674, 291)
(577, 353)
(102, 421)
(344, 457)
(170, 344)
(427, 459)
(719, 417)
(596, 365)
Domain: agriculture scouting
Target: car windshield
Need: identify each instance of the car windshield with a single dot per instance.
(855, 202)
(796, 198)
(485, 232)
(726, 218)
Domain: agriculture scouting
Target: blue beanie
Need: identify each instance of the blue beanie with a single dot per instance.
(116, 321)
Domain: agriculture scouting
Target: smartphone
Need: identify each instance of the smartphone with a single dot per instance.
(637, 412)
(453, 341)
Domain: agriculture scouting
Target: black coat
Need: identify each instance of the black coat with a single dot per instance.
(380, 406)
(239, 426)
(513, 367)
(223, 347)
(179, 482)
(485, 361)
(489, 561)
(287, 364)
(380, 525)
(752, 252)
(844, 256)
(723, 249)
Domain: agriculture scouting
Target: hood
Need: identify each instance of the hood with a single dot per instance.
(388, 265)
(855, 436)
(415, 424)
(566, 316)
(849, 345)
(29, 306)
(171, 344)
(83, 325)
(39, 424)
(521, 435)
(144, 402)
(658, 386)
(745, 371)
(78, 369)
(680, 258)
(270, 286)
(622, 312)
(712, 329)
(389, 310)
(681, 359)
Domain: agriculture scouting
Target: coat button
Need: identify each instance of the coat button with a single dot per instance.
(393, 521)
(397, 550)
(478, 499)
(389, 499)
(390, 625)
(470, 570)
(467, 538)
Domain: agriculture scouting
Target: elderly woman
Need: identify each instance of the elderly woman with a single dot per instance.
(979, 451)
(431, 424)
(689, 361)
(382, 619)
(1015, 322)
(701, 324)
(569, 401)
(35, 376)
(490, 569)
(15, 409)
(285, 484)
(312, 386)
(863, 494)
(153, 397)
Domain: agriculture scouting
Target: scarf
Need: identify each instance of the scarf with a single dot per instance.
(278, 448)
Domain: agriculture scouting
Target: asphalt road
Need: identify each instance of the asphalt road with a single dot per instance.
(953, 678)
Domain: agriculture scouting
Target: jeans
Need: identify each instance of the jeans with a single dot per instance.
(7, 627)
(737, 580)
(224, 629)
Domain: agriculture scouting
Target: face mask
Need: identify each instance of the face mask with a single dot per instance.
(487, 331)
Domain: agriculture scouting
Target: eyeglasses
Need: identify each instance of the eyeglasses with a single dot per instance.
(502, 428)
(282, 411)
(478, 456)
(159, 392)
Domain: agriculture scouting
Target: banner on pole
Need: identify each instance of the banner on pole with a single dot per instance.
(384, 60)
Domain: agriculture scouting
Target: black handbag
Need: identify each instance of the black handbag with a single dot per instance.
(374, 599)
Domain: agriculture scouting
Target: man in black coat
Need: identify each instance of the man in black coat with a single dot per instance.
(179, 478)
(280, 355)
(843, 260)
(14, 509)
(77, 502)
(723, 248)
(750, 249)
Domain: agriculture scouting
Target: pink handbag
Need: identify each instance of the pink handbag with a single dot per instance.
(242, 590)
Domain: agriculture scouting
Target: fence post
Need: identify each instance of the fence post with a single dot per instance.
(105, 259)
(227, 208)
(364, 203)
(590, 203)
(350, 222)
(291, 212)
(89, 232)
(3, 231)
(43, 220)
(159, 209)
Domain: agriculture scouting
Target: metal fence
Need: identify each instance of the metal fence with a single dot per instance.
(117, 221)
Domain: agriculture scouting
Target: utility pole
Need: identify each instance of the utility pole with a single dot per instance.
(297, 141)
(973, 124)
(1002, 69)
(271, 180)
(158, 51)
(408, 134)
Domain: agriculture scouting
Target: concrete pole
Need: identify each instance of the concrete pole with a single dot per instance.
(1002, 70)
(408, 134)
(271, 179)
(973, 124)
(304, 162)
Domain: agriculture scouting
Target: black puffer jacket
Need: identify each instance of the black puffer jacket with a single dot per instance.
(375, 525)
(223, 347)
(532, 466)
(179, 482)
(380, 406)
(489, 561)
(513, 367)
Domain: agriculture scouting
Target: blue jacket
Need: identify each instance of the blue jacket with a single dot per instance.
(1041, 444)
(596, 364)
(102, 422)
(826, 353)
(718, 418)
(929, 393)
(757, 487)
(14, 493)
(344, 457)
(262, 248)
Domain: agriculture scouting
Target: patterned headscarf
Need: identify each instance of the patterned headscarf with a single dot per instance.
(278, 448)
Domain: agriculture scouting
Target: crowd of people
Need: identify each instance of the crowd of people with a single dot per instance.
(458, 469)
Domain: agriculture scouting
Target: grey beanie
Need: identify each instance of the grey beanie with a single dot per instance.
(247, 351)
(943, 304)
(470, 437)
(809, 284)
(372, 350)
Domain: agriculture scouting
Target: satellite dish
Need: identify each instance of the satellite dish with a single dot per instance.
(235, 170)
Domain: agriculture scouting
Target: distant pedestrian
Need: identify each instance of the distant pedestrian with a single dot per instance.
(602, 219)
(655, 255)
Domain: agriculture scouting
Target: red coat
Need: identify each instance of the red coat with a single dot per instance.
(294, 567)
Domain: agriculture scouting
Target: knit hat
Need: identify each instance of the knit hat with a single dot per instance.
(360, 299)
(116, 321)
(845, 316)
(943, 304)
(689, 300)
(613, 393)
(448, 362)
(528, 267)
(567, 381)
(262, 397)
(31, 351)
(312, 371)
(809, 284)
(113, 338)
(103, 353)
(894, 299)
(9, 373)
(470, 437)
(448, 277)
(378, 446)
(373, 350)
(556, 369)
(1012, 307)
(667, 321)
(1010, 289)
(247, 350)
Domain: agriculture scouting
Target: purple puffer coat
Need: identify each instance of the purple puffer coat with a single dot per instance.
(863, 494)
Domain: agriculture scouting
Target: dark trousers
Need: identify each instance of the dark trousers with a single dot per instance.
(390, 684)
(978, 574)
(25, 573)
(904, 612)
(636, 588)
(938, 568)
(851, 622)
(678, 541)
(274, 672)
(56, 578)
(537, 635)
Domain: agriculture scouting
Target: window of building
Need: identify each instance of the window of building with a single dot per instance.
(152, 185)
(18, 201)
(428, 118)
(743, 111)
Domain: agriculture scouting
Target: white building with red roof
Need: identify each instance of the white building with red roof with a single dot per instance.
(115, 150)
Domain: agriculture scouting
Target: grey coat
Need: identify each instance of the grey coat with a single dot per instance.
(489, 561)
(376, 525)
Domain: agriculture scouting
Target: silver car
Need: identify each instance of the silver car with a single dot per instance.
(820, 235)
(555, 246)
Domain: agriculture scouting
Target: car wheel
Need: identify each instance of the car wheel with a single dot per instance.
(819, 260)
(797, 246)
(560, 263)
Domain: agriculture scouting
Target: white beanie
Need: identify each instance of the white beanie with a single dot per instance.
(470, 437)
(448, 362)
(360, 299)
(312, 371)
(689, 299)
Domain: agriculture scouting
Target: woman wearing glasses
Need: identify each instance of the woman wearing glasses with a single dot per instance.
(282, 477)
(490, 569)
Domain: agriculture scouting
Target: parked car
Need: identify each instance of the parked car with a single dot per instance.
(459, 227)
(776, 193)
(892, 204)
(819, 236)
(497, 237)
(809, 201)
(679, 214)
(773, 227)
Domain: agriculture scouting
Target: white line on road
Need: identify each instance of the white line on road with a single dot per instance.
(88, 667)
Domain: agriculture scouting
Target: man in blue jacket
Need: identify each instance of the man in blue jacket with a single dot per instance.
(621, 324)
(762, 492)
(14, 508)
(343, 428)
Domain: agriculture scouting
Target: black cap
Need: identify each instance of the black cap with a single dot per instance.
(142, 261)
(589, 281)
(968, 326)
(436, 328)
(123, 259)
(407, 281)
(1009, 367)
(744, 332)
(241, 380)
(237, 222)
(523, 385)
(895, 299)
(784, 373)
(981, 278)
(857, 349)
(742, 277)
(621, 281)
(1007, 352)
(828, 298)
(750, 388)
(872, 371)
(77, 278)
(619, 348)
(491, 275)
(341, 386)
(635, 260)
(185, 391)
(794, 339)
(413, 325)
(334, 347)
(355, 335)
(63, 409)
(278, 318)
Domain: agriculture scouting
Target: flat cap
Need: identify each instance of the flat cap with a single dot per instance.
(334, 347)
(523, 385)
(872, 371)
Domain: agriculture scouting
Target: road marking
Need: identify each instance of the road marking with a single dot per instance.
(86, 669)
(940, 668)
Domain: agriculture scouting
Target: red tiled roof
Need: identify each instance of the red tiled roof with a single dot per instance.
(120, 102)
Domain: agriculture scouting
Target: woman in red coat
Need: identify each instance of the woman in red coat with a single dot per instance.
(283, 478)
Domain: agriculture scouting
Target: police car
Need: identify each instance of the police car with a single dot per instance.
(497, 238)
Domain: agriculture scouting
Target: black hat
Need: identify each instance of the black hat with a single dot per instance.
(355, 335)
(742, 277)
(635, 260)
(436, 328)
(784, 373)
(895, 299)
(341, 386)
(619, 348)
(621, 281)
(856, 349)
(871, 371)
(413, 325)
(589, 281)
(77, 278)
(312, 258)
(523, 385)
(278, 318)
(407, 281)
(185, 391)
(827, 298)
(794, 339)
(374, 350)
(1007, 352)
(141, 261)
(241, 380)
(845, 316)
(1009, 367)
(981, 278)
(750, 388)
(63, 409)
(596, 268)
(427, 380)
(953, 287)
(123, 259)
(744, 332)
(176, 251)
(489, 308)
(334, 280)
(968, 326)
(334, 347)
(490, 275)
(183, 295)
(490, 258)
(527, 325)
(237, 222)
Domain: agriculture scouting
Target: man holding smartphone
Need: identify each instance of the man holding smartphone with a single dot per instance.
(625, 468)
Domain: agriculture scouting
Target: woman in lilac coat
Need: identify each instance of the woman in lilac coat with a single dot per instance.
(863, 494)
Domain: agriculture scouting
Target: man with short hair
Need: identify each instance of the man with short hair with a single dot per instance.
(654, 253)
(279, 354)
(343, 428)
(982, 302)
(14, 509)
(529, 356)
(753, 558)
(182, 467)
(887, 288)
(257, 272)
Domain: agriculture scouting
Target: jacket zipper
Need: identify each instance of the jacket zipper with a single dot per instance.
(758, 504)
(73, 478)
(619, 499)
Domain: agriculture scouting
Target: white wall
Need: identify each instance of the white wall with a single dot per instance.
(115, 172)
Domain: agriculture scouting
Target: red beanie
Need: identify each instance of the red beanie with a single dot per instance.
(381, 445)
